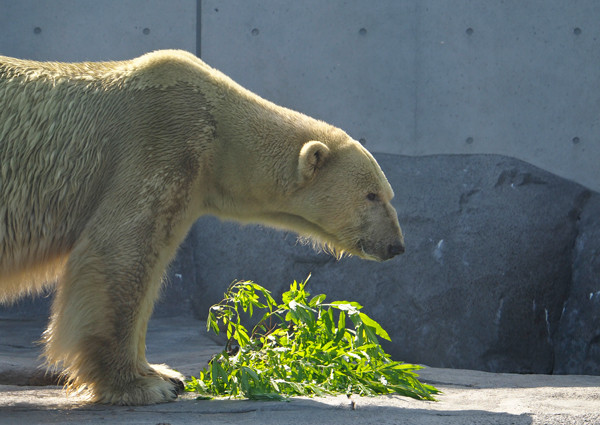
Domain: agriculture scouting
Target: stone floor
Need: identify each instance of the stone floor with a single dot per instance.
(469, 397)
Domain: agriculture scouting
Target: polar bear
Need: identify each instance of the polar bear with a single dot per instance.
(104, 168)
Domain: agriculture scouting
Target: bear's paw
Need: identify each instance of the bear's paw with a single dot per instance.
(141, 391)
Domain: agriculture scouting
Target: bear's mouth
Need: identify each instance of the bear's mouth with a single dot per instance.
(365, 255)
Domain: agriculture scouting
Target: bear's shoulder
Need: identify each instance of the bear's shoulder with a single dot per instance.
(164, 68)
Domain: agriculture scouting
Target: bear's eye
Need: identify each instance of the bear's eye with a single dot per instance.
(372, 197)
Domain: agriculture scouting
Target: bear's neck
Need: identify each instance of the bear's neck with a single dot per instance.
(258, 145)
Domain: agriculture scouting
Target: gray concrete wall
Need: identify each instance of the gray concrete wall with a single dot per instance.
(78, 30)
(518, 78)
(412, 77)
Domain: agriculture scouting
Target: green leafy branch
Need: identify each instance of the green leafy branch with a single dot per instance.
(302, 346)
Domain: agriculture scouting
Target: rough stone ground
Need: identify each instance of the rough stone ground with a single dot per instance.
(469, 397)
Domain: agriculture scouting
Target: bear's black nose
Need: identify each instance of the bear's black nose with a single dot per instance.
(395, 249)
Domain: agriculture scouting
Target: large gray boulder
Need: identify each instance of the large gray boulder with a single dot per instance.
(497, 274)
(578, 338)
(501, 271)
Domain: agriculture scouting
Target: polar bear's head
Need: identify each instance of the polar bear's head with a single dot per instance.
(342, 202)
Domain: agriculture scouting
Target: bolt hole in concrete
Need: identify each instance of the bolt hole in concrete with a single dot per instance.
(575, 140)
(362, 141)
(469, 140)
(255, 31)
(37, 30)
(577, 31)
(362, 31)
(146, 31)
(469, 31)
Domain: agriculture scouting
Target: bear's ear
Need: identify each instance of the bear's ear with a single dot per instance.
(312, 157)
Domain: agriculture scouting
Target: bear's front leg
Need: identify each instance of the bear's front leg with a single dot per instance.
(100, 315)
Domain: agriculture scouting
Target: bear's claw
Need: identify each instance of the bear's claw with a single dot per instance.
(179, 385)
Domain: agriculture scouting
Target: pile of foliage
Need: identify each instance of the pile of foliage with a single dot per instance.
(303, 346)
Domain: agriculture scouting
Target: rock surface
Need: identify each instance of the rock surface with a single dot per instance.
(578, 339)
(501, 272)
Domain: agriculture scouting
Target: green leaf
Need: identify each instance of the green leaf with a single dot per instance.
(211, 323)
(347, 305)
(316, 300)
(204, 397)
(241, 336)
(376, 326)
(252, 373)
(328, 325)
(341, 332)
(261, 396)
